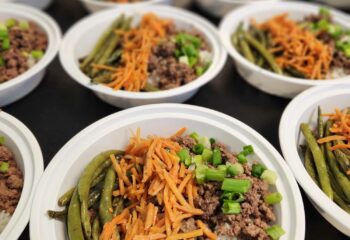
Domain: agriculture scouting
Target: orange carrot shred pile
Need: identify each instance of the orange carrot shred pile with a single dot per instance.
(340, 129)
(299, 49)
(162, 178)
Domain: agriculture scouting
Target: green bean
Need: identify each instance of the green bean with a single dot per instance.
(320, 126)
(246, 51)
(115, 56)
(263, 51)
(319, 159)
(341, 203)
(235, 36)
(101, 42)
(65, 198)
(106, 197)
(75, 231)
(336, 188)
(260, 62)
(260, 35)
(84, 185)
(94, 196)
(342, 160)
(96, 229)
(294, 73)
(104, 77)
(111, 45)
(310, 165)
(118, 205)
(341, 179)
(57, 214)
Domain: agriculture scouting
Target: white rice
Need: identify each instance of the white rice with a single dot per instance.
(4, 219)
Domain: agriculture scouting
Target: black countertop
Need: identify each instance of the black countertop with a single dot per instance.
(59, 108)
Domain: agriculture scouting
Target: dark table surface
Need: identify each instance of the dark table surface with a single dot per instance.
(59, 108)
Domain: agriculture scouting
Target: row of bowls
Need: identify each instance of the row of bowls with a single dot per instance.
(153, 118)
(80, 39)
(113, 131)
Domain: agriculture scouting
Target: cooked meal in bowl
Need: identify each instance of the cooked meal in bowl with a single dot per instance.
(11, 184)
(178, 187)
(22, 45)
(314, 48)
(151, 56)
(327, 155)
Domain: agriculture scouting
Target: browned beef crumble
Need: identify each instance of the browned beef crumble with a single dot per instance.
(11, 183)
(22, 42)
(255, 214)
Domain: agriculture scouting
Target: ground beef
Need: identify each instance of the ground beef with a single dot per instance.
(22, 43)
(208, 199)
(165, 71)
(255, 214)
(188, 225)
(185, 141)
(11, 182)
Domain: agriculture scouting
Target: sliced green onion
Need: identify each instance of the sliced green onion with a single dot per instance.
(2, 140)
(335, 30)
(275, 232)
(212, 141)
(24, 25)
(241, 158)
(235, 169)
(231, 207)
(205, 142)
(185, 157)
(5, 43)
(222, 168)
(247, 150)
(195, 136)
(215, 175)
(273, 198)
(37, 54)
(198, 159)
(236, 197)
(200, 173)
(236, 185)
(10, 22)
(207, 154)
(198, 148)
(4, 167)
(258, 169)
(199, 71)
(3, 33)
(269, 176)
(216, 160)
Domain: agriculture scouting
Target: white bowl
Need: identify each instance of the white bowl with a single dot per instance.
(266, 80)
(20, 86)
(303, 108)
(42, 4)
(80, 39)
(162, 119)
(30, 160)
(220, 8)
(337, 3)
(98, 5)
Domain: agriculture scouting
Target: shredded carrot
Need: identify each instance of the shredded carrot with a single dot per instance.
(207, 232)
(132, 75)
(340, 129)
(163, 177)
(195, 233)
(297, 48)
(348, 172)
